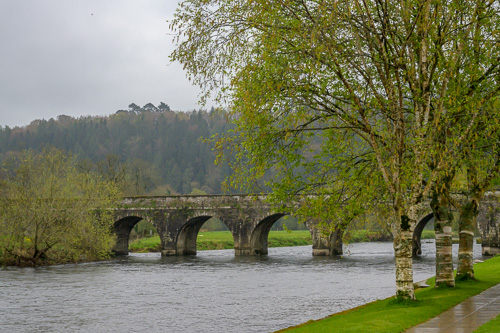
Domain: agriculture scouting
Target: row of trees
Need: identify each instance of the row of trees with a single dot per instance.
(361, 103)
(151, 151)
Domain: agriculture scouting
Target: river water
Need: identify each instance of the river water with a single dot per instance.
(211, 292)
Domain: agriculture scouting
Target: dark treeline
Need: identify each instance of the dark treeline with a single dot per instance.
(150, 150)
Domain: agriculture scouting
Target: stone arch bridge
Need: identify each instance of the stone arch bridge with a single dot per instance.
(178, 219)
(488, 223)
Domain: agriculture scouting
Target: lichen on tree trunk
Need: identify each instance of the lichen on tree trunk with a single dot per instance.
(443, 219)
(444, 263)
(336, 245)
(467, 221)
(404, 265)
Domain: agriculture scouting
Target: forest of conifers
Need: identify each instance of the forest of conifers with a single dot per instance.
(149, 150)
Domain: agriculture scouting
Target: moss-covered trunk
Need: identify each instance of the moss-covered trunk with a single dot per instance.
(443, 219)
(466, 225)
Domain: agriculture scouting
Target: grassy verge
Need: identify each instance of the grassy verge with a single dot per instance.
(493, 326)
(389, 316)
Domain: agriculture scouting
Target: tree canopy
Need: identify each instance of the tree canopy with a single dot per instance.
(51, 212)
(392, 92)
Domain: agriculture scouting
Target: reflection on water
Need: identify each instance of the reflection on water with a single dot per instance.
(211, 292)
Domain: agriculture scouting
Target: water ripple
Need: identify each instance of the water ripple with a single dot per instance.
(211, 292)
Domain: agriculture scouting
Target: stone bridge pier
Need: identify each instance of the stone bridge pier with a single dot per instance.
(325, 243)
(179, 219)
(488, 223)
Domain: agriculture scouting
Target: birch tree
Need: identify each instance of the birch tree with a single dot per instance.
(481, 166)
(388, 76)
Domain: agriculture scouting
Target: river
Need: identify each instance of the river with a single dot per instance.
(211, 292)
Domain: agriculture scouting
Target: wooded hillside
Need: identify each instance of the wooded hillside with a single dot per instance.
(149, 150)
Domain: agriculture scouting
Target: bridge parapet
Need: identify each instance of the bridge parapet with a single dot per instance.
(196, 202)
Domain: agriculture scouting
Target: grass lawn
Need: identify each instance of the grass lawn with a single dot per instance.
(145, 244)
(389, 316)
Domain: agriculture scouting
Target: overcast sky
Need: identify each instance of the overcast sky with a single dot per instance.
(87, 57)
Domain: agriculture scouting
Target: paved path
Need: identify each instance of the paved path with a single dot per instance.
(466, 316)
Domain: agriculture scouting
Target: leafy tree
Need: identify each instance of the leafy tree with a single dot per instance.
(443, 221)
(150, 107)
(114, 171)
(134, 108)
(477, 159)
(481, 165)
(383, 79)
(52, 213)
(141, 177)
(163, 107)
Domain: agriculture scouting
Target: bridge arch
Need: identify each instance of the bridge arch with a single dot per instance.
(417, 234)
(260, 234)
(122, 228)
(186, 239)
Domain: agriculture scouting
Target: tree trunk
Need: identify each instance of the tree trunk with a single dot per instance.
(336, 245)
(402, 230)
(467, 222)
(404, 265)
(443, 219)
(444, 263)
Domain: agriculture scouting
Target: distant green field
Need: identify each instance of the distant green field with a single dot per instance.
(218, 240)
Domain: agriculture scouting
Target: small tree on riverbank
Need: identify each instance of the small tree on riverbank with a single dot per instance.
(52, 213)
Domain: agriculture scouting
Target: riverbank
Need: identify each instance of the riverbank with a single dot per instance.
(390, 316)
(220, 240)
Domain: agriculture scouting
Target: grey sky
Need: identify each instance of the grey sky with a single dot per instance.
(87, 57)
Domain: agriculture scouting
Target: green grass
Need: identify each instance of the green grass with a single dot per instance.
(146, 244)
(285, 238)
(218, 240)
(214, 240)
(388, 316)
(493, 326)
(427, 234)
